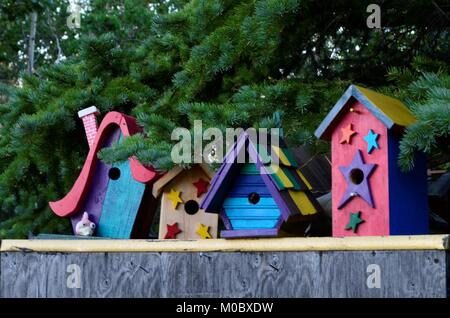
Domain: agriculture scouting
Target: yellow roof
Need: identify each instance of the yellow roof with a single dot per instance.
(391, 107)
(390, 111)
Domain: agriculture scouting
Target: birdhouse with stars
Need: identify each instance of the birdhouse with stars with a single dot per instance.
(370, 194)
(181, 191)
(260, 196)
(109, 200)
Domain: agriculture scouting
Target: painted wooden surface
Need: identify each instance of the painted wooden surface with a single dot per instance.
(387, 110)
(242, 275)
(96, 195)
(391, 107)
(188, 224)
(243, 214)
(122, 200)
(244, 184)
(224, 177)
(376, 221)
(74, 200)
(280, 180)
(408, 202)
(292, 244)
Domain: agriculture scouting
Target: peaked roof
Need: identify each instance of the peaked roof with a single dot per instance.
(286, 183)
(171, 174)
(73, 200)
(390, 111)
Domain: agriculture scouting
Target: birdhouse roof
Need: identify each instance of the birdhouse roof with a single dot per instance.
(284, 180)
(171, 174)
(73, 201)
(390, 111)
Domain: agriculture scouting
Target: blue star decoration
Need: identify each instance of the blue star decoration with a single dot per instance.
(354, 222)
(371, 139)
(356, 174)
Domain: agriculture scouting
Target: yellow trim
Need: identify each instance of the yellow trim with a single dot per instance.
(283, 177)
(368, 243)
(308, 185)
(303, 203)
(280, 154)
(391, 107)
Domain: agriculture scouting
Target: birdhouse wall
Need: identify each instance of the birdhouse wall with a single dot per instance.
(408, 203)
(244, 215)
(122, 199)
(93, 202)
(188, 224)
(376, 219)
(120, 207)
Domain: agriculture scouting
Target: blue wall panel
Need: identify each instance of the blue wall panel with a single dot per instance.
(245, 215)
(122, 200)
(408, 205)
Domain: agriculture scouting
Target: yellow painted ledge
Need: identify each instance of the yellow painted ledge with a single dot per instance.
(368, 243)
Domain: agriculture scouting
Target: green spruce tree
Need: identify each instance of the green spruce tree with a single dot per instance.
(247, 63)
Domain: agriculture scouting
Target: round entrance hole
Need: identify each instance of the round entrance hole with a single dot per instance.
(356, 176)
(253, 198)
(114, 173)
(191, 207)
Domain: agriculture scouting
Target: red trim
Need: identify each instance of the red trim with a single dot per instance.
(73, 201)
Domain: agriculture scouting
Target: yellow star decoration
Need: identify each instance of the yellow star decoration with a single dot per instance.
(203, 231)
(174, 196)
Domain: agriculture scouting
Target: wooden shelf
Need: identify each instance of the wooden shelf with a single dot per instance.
(402, 266)
(369, 243)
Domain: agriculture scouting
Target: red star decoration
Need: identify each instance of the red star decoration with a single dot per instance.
(172, 231)
(347, 133)
(202, 186)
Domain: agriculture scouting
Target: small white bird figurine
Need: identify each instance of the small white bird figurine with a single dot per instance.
(85, 227)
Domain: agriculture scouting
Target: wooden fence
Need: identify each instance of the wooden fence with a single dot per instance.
(401, 266)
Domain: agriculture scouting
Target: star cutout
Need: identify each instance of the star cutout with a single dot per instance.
(203, 231)
(347, 133)
(354, 222)
(172, 231)
(371, 140)
(202, 186)
(356, 174)
(174, 196)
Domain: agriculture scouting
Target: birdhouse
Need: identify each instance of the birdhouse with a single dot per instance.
(260, 197)
(181, 217)
(116, 197)
(370, 194)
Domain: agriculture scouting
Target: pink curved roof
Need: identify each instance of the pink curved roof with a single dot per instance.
(73, 201)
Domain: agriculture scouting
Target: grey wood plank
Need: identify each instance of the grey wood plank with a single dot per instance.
(219, 274)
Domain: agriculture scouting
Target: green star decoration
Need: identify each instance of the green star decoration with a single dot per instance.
(354, 222)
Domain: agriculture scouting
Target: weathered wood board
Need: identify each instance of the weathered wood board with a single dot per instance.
(399, 273)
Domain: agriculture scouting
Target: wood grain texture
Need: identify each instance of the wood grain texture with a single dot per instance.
(169, 175)
(245, 215)
(294, 244)
(188, 224)
(377, 217)
(120, 207)
(215, 274)
(316, 169)
(96, 195)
